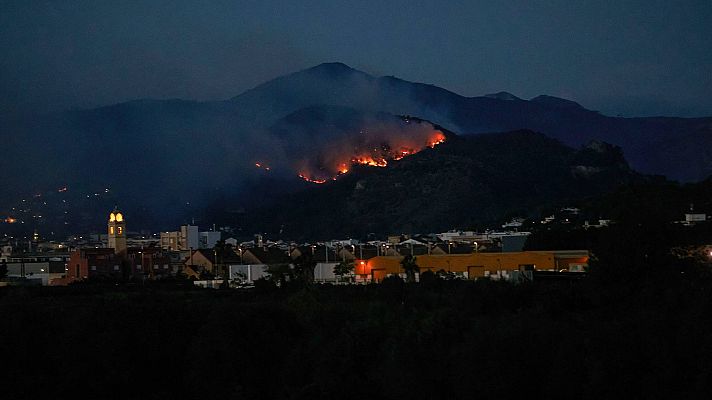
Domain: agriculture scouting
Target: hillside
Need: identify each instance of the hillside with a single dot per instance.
(166, 159)
(463, 183)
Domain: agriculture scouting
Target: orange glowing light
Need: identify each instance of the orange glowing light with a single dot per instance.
(368, 160)
(437, 138)
(10, 220)
(312, 180)
(375, 156)
(258, 165)
(362, 268)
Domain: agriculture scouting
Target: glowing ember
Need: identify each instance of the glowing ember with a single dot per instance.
(308, 179)
(10, 220)
(368, 160)
(343, 168)
(262, 165)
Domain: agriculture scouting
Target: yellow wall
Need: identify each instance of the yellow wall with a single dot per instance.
(474, 264)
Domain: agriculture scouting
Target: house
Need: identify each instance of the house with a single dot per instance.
(256, 262)
(150, 262)
(214, 261)
(92, 262)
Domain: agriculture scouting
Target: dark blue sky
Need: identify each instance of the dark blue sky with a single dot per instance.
(627, 57)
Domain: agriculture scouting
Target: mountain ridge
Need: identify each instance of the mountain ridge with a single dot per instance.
(160, 154)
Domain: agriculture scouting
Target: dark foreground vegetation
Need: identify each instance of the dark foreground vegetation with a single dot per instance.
(607, 336)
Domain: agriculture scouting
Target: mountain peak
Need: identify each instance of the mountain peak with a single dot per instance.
(331, 68)
(555, 102)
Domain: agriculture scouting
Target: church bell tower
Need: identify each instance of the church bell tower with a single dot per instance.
(117, 232)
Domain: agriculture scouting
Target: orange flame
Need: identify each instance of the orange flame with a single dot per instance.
(437, 138)
(312, 180)
(368, 160)
(377, 157)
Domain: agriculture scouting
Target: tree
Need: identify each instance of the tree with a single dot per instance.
(410, 267)
(343, 268)
(304, 268)
(279, 274)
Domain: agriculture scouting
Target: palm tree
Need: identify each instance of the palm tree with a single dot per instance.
(410, 267)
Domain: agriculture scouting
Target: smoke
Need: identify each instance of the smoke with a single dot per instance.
(376, 143)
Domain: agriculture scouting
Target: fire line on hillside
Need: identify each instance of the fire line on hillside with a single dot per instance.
(377, 157)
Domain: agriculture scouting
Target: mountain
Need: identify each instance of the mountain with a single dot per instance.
(678, 148)
(466, 182)
(165, 159)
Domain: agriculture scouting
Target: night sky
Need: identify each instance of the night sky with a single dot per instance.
(638, 58)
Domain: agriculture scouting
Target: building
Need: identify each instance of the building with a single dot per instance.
(117, 232)
(214, 261)
(151, 262)
(694, 218)
(476, 265)
(208, 239)
(256, 262)
(45, 270)
(91, 262)
(187, 238)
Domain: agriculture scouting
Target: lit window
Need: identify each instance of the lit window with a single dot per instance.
(111, 230)
(120, 230)
(119, 217)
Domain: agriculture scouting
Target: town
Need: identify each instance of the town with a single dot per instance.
(210, 259)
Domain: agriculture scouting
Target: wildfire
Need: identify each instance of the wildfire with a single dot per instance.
(368, 160)
(403, 152)
(378, 155)
(308, 179)
(437, 138)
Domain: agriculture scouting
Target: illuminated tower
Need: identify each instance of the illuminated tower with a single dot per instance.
(117, 232)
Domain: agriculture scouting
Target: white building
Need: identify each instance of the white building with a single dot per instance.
(208, 239)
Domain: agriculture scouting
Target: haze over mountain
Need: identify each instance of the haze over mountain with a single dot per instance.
(468, 182)
(169, 157)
